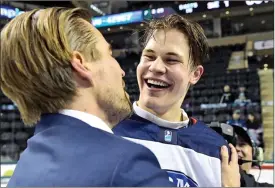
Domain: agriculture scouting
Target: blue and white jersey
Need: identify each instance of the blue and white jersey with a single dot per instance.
(190, 155)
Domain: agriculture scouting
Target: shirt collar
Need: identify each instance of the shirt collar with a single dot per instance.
(160, 122)
(90, 119)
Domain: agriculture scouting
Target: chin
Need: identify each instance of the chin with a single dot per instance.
(152, 103)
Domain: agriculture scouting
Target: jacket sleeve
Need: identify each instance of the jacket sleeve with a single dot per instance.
(248, 180)
(138, 169)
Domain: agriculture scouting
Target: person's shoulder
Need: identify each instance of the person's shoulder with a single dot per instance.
(201, 139)
(127, 125)
(206, 129)
(133, 119)
(230, 121)
(243, 121)
(210, 136)
(85, 136)
(127, 143)
(135, 127)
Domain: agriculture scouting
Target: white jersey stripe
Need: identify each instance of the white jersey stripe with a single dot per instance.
(203, 169)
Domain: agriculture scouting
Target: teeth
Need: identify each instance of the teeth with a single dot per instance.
(157, 83)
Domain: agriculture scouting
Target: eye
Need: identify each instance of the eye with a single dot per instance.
(149, 57)
(172, 61)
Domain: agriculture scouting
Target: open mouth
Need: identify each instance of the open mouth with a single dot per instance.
(156, 84)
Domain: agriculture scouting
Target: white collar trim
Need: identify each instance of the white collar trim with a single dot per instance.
(160, 122)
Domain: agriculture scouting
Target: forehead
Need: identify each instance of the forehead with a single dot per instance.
(163, 41)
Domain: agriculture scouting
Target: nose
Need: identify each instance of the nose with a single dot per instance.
(157, 66)
(122, 73)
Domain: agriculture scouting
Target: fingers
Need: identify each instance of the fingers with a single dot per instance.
(224, 156)
(230, 170)
(234, 155)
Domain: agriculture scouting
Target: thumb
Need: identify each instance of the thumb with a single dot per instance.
(224, 156)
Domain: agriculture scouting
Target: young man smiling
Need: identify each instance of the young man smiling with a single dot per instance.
(170, 63)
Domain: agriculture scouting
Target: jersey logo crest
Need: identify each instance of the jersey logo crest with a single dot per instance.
(167, 136)
(181, 180)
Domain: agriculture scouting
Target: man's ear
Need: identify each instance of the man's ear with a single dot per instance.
(78, 63)
(196, 74)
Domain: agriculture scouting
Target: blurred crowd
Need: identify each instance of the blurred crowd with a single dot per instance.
(251, 122)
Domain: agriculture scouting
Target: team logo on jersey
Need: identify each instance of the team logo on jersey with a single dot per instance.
(168, 136)
(181, 180)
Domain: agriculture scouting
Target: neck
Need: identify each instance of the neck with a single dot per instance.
(89, 105)
(173, 114)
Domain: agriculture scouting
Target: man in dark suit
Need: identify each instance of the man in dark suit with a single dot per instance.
(60, 72)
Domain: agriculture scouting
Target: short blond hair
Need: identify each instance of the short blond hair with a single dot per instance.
(36, 51)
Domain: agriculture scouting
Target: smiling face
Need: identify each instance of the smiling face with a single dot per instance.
(165, 71)
(244, 151)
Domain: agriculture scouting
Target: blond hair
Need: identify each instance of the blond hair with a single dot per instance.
(36, 51)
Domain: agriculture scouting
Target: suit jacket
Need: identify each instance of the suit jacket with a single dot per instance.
(65, 151)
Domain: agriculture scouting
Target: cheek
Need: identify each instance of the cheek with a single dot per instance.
(140, 71)
(115, 67)
(247, 151)
(250, 152)
(181, 80)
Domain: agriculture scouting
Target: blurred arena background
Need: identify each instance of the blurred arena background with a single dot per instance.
(237, 86)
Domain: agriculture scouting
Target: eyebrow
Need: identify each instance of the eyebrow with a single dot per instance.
(174, 54)
(149, 50)
(168, 53)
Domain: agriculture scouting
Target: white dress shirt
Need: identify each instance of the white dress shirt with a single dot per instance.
(90, 119)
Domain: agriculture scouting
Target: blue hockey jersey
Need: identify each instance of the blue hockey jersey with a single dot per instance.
(191, 155)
